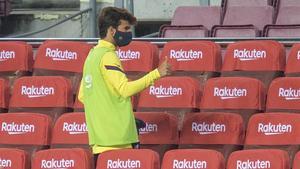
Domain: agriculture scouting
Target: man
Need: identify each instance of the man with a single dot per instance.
(105, 90)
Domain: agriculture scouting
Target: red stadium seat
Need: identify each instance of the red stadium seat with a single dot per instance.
(274, 130)
(193, 158)
(62, 58)
(223, 132)
(138, 58)
(129, 159)
(16, 60)
(4, 95)
(75, 158)
(264, 60)
(11, 158)
(283, 95)
(43, 94)
(268, 158)
(199, 59)
(69, 131)
(296, 163)
(192, 21)
(160, 133)
(241, 95)
(293, 61)
(27, 131)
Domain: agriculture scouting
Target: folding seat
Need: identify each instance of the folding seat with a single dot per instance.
(75, 158)
(61, 58)
(176, 95)
(284, 95)
(223, 132)
(241, 95)
(296, 163)
(193, 158)
(16, 60)
(264, 60)
(274, 130)
(43, 94)
(11, 158)
(4, 95)
(160, 133)
(26, 131)
(268, 158)
(293, 61)
(199, 59)
(241, 21)
(129, 159)
(69, 131)
(192, 21)
(138, 58)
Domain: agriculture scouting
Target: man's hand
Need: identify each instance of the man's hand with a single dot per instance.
(164, 68)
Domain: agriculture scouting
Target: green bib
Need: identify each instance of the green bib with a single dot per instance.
(109, 117)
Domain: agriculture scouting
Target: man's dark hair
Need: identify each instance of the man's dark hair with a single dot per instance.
(111, 16)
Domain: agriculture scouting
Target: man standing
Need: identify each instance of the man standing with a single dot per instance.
(105, 90)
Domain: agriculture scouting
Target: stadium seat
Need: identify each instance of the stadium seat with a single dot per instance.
(283, 3)
(241, 21)
(160, 133)
(199, 59)
(61, 58)
(283, 95)
(274, 130)
(192, 21)
(16, 60)
(264, 60)
(248, 3)
(75, 158)
(27, 131)
(193, 158)
(241, 95)
(293, 61)
(70, 131)
(138, 58)
(11, 158)
(176, 95)
(268, 158)
(223, 132)
(296, 162)
(129, 159)
(4, 95)
(43, 94)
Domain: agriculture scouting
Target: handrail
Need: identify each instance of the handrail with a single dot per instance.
(49, 27)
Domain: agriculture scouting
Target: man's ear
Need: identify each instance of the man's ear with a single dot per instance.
(112, 31)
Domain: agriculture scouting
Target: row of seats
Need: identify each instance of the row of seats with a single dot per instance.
(77, 158)
(236, 18)
(222, 132)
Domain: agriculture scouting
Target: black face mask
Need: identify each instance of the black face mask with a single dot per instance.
(122, 38)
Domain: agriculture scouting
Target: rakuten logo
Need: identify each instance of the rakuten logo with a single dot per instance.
(183, 55)
(161, 91)
(226, 93)
(123, 164)
(205, 129)
(246, 55)
(149, 128)
(14, 129)
(128, 55)
(252, 164)
(59, 55)
(75, 128)
(5, 163)
(274, 129)
(186, 164)
(289, 94)
(33, 91)
(298, 55)
(5, 55)
(57, 164)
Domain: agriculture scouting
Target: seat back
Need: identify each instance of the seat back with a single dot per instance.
(293, 61)
(248, 3)
(193, 158)
(4, 95)
(288, 15)
(128, 159)
(268, 158)
(12, 158)
(296, 163)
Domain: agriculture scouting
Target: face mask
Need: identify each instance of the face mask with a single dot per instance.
(122, 38)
